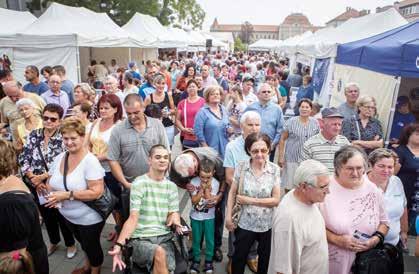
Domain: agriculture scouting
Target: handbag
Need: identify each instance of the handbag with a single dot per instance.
(237, 208)
(103, 205)
(377, 260)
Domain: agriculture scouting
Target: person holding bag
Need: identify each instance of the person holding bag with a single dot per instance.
(260, 195)
(75, 179)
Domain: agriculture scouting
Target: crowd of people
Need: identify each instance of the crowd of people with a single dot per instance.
(310, 192)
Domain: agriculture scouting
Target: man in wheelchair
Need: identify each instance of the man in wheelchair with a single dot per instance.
(154, 209)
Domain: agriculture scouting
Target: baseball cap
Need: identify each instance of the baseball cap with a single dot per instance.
(331, 112)
(131, 64)
(402, 100)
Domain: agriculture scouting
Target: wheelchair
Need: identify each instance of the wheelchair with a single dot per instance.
(181, 254)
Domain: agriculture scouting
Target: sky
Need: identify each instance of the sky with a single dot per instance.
(273, 12)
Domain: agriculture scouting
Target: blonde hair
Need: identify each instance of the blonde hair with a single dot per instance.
(87, 90)
(8, 161)
(17, 262)
(210, 89)
(365, 100)
(73, 124)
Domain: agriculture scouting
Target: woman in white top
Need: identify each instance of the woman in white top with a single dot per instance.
(84, 182)
(382, 165)
(235, 108)
(110, 110)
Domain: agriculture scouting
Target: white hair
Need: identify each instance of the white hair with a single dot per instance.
(351, 84)
(111, 78)
(249, 115)
(308, 171)
(264, 85)
(182, 164)
(25, 102)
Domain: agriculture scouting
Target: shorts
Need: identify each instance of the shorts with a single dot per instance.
(288, 173)
(144, 249)
(115, 187)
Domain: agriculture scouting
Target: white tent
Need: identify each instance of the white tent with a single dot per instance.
(13, 21)
(265, 45)
(288, 45)
(71, 36)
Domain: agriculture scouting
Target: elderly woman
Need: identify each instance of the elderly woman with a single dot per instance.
(83, 93)
(19, 222)
(43, 146)
(260, 194)
(297, 130)
(381, 171)
(84, 181)
(165, 101)
(408, 152)
(26, 124)
(211, 122)
(186, 112)
(354, 205)
(364, 131)
(235, 108)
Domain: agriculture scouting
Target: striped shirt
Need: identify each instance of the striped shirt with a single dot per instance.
(298, 133)
(153, 200)
(320, 149)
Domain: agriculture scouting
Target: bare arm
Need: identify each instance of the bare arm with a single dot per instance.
(229, 172)
(284, 137)
(117, 172)
(197, 197)
(230, 202)
(129, 227)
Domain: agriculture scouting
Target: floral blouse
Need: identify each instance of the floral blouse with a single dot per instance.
(353, 130)
(31, 160)
(256, 218)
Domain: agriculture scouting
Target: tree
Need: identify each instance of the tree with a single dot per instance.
(176, 12)
(246, 32)
(238, 45)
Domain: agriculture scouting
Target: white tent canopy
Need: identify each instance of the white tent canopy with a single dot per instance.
(288, 45)
(265, 45)
(71, 36)
(14, 21)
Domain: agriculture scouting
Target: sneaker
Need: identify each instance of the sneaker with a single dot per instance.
(218, 255)
(208, 269)
(194, 268)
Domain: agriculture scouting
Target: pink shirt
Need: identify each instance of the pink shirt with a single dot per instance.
(346, 210)
(187, 116)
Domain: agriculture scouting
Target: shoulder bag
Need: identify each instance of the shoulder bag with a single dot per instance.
(103, 205)
(237, 208)
(378, 260)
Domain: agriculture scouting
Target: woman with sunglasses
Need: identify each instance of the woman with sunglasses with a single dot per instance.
(260, 194)
(42, 147)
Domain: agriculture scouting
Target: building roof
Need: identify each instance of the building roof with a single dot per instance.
(237, 27)
(348, 14)
(296, 18)
(405, 3)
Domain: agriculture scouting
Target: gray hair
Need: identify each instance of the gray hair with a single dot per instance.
(25, 102)
(111, 78)
(249, 115)
(86, 89)
(308, 171)
(343, 155)
(264, 85)
(182, 164)
(351, 84)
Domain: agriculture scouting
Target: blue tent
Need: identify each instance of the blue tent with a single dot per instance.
(394, 52)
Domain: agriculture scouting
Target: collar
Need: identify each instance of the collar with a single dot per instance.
(268, 168)
(324, 140)
(129, 125)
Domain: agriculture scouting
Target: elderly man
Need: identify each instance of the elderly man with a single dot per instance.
(322, 146)
(348, 109)
(111, 86)
(66, 84)
(299, 243)
(271, 115)
(249, 123)
(185, 167)
(207, 79)
(14, 92)
(55, 94)
(35, 85)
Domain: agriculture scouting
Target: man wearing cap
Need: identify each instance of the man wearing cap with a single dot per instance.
(322, 146)
(348, 109)
(132, 67)
(247, 86)
(402, 118)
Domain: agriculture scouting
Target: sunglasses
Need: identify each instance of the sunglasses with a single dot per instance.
(263, 150)
(52, 119)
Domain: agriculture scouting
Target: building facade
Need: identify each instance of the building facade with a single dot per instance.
(295, 24)
(346, 15)
(409, 9)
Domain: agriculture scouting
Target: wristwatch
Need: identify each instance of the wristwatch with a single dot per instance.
(71, 198)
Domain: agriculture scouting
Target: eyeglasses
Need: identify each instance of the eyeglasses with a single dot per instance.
(256, 151)
(52, 119)
(55, 82)
(265, 91)
(369, 107)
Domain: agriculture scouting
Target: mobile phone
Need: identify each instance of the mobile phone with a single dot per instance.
(361, 236)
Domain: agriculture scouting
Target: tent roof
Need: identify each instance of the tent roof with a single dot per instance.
(265, 45)
(394, 52)
(323, 43)
(90, 28)
(13, 21)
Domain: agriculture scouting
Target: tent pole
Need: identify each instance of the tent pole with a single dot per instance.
(129, 55)
(392, 110)
(78, 64)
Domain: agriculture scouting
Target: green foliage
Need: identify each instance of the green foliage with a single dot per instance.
(177, 12)
(246, 32)
(239, 45)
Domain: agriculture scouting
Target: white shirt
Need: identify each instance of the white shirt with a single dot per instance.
(209, 213)
(88, 168)
(250, 98)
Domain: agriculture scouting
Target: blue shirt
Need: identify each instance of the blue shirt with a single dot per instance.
(135, 74)
(235, 153)
(272, 119)
(61, 99)
(38, 89)
(305, 92)
(210, 129)
(68, 87)
(145, 90)
(399, 122)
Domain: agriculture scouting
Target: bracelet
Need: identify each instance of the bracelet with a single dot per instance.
(380, 236)
(120, 245)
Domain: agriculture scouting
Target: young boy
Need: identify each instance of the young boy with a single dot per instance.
(203, 215)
